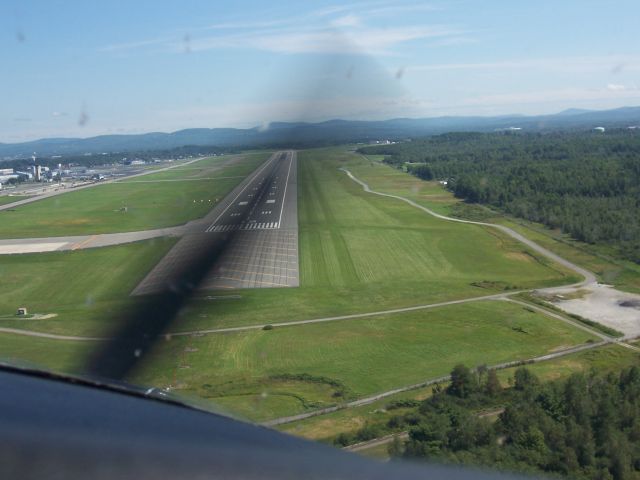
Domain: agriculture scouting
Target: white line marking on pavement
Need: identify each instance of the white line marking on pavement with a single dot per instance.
(243, 189)
(286, 183)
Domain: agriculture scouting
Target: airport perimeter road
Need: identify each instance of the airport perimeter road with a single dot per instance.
(261, 216)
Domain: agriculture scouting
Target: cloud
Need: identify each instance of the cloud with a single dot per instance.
(346, 21)
(361, 40)
(393, 10)
(564, 64)
(116, 47)
(615, 87)
(334, 30)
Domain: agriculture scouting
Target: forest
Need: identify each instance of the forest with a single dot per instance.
(585, 427)
(585, 183)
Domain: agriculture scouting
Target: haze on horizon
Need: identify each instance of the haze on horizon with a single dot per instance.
(75, 69)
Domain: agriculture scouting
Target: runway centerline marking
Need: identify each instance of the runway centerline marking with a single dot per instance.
(243, 189)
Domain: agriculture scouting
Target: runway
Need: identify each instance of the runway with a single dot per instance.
(258, 221)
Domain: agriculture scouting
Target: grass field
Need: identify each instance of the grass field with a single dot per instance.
(149, 204)
(58, 356)
(623, 274)
(326, 427)
(355, 357)
(208, 168)
(85, 288)
(358, 252)
(5, 199)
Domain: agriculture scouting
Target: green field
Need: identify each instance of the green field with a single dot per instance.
(149, 204)
(354, 357)
(326, 427)
(10, 199)
(208, 168)
(358, 252)
(57, 356)
(85, 288)
(623, 274)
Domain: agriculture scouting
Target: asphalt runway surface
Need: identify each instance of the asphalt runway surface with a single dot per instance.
(259, 222)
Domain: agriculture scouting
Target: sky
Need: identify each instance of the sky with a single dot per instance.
(73, 68)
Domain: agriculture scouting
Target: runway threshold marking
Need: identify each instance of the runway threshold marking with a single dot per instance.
(243, 189)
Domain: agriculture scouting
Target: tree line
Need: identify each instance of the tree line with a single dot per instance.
(585, 427)
(585, 183)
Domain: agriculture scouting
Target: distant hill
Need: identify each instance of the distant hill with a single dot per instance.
(329, 132)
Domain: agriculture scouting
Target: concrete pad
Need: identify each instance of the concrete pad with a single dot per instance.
(601, 303)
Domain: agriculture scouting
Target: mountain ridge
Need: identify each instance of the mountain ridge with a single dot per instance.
(329, 131)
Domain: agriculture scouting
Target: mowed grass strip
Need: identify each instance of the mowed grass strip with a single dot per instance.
(365, 356)
(121, 206)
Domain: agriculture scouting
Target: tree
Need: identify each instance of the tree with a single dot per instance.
(463, 382)
(525, 380)
(492, 386)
